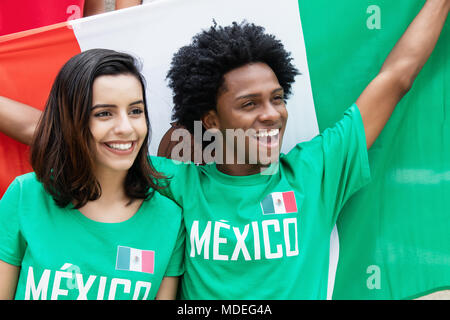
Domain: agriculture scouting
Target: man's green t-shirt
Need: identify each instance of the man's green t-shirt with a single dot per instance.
(267, 236)
(65, 255)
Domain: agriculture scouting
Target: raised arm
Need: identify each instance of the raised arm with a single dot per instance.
(93, 7)
(18, 120)
(121, 4)
(401, 67)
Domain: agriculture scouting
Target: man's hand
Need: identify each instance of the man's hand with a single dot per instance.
(401, 67)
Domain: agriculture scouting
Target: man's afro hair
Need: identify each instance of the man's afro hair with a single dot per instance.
(197, 70)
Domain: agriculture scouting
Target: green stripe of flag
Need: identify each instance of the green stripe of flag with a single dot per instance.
(394, 233)
(267, 205)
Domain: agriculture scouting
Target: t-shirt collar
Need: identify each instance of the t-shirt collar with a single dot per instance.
(253, 179)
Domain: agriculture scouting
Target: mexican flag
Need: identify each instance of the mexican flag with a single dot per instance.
(392, 239)
(131, 259)
(279, 203)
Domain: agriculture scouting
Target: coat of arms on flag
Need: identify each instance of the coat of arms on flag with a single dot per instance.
(279, 202)
(131, 259)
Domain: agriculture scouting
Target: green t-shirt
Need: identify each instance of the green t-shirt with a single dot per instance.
(267, 236)
(65, 255)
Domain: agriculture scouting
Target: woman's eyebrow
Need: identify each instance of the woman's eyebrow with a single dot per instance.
(105, 105)
(137, 102)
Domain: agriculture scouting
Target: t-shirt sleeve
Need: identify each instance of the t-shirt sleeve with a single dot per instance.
(339, 158)
(12, 244)
(346, 165)
(175, 267)
(182, 178)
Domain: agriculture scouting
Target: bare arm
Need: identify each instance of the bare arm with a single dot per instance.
(167, 289)
(120, 4)
(18, 120)
(92, 7)
(401, 67)
(9, 276)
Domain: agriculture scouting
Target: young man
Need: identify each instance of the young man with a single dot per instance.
(253, 232)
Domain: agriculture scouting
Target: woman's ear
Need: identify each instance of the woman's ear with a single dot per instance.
(210, 120)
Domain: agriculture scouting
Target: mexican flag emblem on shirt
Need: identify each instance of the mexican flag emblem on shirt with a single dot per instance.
(131, 259)
(279, 202)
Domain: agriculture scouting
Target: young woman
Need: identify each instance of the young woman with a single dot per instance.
(87, 223)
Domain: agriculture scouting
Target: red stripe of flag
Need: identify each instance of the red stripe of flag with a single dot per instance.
(148, 261)
(29, 62)
(289, 201)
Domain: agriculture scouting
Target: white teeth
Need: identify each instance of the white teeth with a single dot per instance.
(120, 146)
(267, 133)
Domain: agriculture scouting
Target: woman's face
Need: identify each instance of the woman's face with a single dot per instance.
(117, 121)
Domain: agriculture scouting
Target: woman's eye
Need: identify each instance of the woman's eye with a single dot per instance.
(137, 111)
(102, 114)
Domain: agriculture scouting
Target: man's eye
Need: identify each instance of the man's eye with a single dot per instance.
(248, 104)
(279, 99)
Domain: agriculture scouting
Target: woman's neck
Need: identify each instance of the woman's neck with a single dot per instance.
(112, 185)
(114, 205)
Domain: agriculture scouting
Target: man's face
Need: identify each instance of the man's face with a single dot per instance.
(252, 99)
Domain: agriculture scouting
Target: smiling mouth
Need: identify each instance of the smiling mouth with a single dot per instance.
(268, 138)
(122, 148)
(267, 133)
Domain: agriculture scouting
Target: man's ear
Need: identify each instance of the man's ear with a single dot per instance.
(210, 120)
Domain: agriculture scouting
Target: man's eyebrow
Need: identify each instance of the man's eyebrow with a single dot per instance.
(105, 105)
(278, 89)
(246, 96)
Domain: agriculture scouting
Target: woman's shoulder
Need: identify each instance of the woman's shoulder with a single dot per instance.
(29, 177)
(28, 181)
(163, 204)
(162, 211)
(27, 191)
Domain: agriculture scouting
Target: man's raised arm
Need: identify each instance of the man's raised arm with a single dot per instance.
(401, 67)
(18, 120)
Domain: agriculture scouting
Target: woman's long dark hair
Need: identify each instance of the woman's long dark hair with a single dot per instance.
(61, 155)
